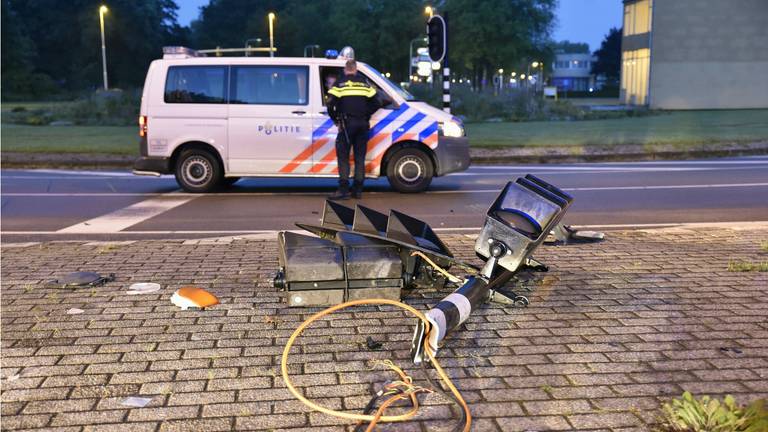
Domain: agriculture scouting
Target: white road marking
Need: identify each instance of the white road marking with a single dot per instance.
(734, 225)
(84, 172)
(128, 216)
(459, 191)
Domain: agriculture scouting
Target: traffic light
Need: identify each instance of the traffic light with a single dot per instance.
(436, 37)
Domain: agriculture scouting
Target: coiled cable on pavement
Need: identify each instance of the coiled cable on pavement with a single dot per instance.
(410, 393)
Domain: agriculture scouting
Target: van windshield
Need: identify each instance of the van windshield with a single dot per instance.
(392, 86)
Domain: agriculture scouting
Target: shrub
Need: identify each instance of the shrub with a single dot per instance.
(113, 108)
(688, 414)
(513, 105)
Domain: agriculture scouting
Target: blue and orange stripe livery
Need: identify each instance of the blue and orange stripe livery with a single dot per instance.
(380, 138)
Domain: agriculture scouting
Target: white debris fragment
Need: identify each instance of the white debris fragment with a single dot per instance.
(136, 402)
(143, 288)
(74, 311)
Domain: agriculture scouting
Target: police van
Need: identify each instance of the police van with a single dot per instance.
(212, 120)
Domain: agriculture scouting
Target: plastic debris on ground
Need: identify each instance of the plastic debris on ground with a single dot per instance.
(193, 297)
(74, 311)
(136, 402)
(13, 377)
(143, 288)
(81, 279)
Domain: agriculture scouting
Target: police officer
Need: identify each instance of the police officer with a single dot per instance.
(351, 103)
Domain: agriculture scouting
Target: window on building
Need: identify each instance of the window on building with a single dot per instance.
(196, 84)
(269, 85)
(634, 76)
(637, 17)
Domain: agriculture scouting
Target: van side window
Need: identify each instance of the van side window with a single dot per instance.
(196, 84)
(270, 85)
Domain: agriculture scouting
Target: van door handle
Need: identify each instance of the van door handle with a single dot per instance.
(298, 112)
(324, 112)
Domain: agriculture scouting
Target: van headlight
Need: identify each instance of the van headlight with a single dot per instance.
(451, 129)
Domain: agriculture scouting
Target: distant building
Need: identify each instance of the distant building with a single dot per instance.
(695, 54)
(572, 72)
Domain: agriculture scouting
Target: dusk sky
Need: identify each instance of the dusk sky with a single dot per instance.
(577, 20)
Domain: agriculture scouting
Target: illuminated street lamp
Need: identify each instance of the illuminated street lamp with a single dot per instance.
(271, 18)
(429, 11)
(501, 71)
(535, 64)
(514, 74)
(410, 53)
(102, 10)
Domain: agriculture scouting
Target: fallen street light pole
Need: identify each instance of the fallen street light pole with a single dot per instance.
(362, 257)
(520, 219)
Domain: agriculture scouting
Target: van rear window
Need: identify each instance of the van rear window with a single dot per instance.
(196, 84)
(270, 85)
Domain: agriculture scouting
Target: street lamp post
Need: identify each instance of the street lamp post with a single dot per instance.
(248, 45)
(102, 10)
(311, 47)
(271, 18)
(410, 56)
(538, 71)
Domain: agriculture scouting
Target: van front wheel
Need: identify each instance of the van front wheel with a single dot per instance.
(410, 170)
(198, 171)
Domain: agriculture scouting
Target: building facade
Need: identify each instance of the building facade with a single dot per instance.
(695, 54)
(572, 72)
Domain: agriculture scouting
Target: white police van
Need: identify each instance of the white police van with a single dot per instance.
(213, 120)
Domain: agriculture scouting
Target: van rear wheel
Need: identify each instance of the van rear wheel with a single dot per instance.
(198, 171)
(410, 170)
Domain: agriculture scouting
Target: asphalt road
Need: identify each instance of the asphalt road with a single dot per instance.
(111, 205)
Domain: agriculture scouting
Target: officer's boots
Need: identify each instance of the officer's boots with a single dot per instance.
(357, 191)
(341, 193)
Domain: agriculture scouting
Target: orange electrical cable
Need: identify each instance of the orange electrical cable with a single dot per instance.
(364, 417)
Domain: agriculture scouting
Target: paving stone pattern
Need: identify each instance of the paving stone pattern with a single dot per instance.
(613, 329)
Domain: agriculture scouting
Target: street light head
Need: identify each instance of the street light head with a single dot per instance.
(103, 9)
(535, 64)
(501, 71)
(429, 11)
(272, 16)
(514, 73)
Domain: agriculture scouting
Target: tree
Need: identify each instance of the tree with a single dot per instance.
(491, 34)
(19, 79)
(66, 36)
(378, 30)
(609, 57)
(568, 47)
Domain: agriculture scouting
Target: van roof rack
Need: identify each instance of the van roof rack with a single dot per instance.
(184, 52)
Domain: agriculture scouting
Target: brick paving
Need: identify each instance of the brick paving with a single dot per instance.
(612, 330)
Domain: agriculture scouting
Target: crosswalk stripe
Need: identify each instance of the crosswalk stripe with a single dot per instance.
(119, 220)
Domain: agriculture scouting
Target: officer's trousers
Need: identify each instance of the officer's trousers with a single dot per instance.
(357, 133)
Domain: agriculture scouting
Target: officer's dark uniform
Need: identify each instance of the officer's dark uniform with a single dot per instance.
(351, 102)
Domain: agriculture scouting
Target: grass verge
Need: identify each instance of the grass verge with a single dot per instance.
(121, 140)
(680, 130)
